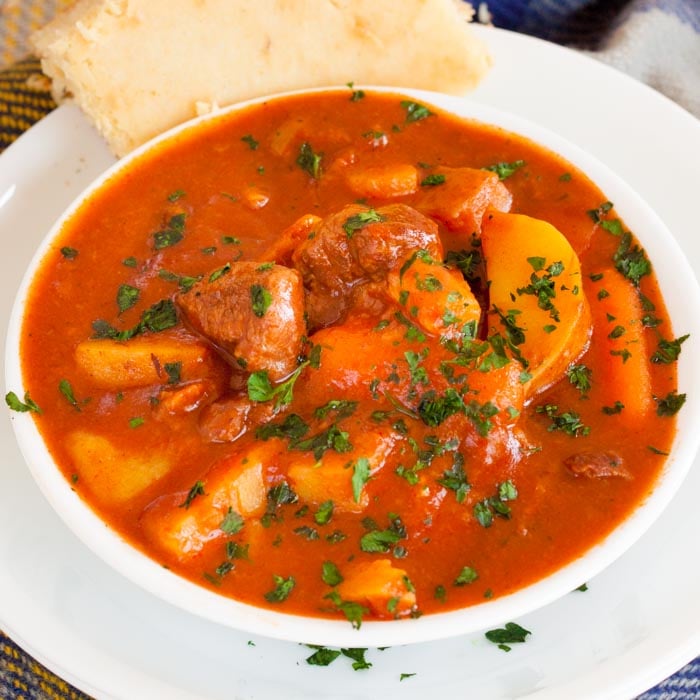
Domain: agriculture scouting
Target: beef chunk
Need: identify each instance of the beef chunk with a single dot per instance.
(596, 465)
(252, 313)
(355, 246)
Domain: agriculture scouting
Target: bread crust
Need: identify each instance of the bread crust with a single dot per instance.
(139, 67)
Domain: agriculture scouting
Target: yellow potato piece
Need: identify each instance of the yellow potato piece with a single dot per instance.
(115, 475)
(381, 586)
(436, 298)
(140, 361)
(519, 251)
(236, 485)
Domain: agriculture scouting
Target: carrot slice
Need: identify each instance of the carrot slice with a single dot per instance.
(624, 373)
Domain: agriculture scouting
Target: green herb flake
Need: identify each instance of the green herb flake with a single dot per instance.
(670, 404)
(466, 576)
(353, 611)
(173, 233)
(631, 260)
(130, 261)
(668, 351)
(260, 299)
(196, 490)
(505, 170)
(309, 161)
(252, 143)
(232, 523)
(283, 587)
(174, 196)
(433, 180)
(414, 111)
(579, 376)
(330, 574)
(358, 221)
(323, 656)
(360, 476)
(69, 253)
(66, 389)
(14, 403)
(174, 371)
(127, 296)
(512, 633)
(136, 422)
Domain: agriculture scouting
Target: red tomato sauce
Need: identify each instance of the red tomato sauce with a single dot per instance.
(418, 477)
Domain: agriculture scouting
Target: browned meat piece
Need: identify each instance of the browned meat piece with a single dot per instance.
(462, 199)
(226, 420)
(596, 465)
(253, 313)
(358, 245)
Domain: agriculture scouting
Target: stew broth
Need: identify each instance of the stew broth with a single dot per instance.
(391, 455)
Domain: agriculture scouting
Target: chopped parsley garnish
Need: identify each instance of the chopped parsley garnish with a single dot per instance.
(309, 161)
(330, 574)
(432, 180)
(486, 510)
(597, 214)
(568, 422)
(631, 260)
(261, 389)
(127, 296)
(353, 611)
(324, 513)
(668, 351)
(505, 170)
(292, 427)
(69, 253)
(342, 407)
(415, 111)
(173, 233)
(196, 490)
(64, 386)
(136, 421)
(434, 409)
(131, 261)
(466, 575)
(330, 439)
(260, 299)
(323, 656)
(283, 587)
(183, 281)
(512, 633)
(617, 407)
(232, 523)
(174, 371)
(13, 401)
(360, 476)
(543, 286)
(455, 479)
(159, 317)
(252, 143)
(177, 194)
(355, 95)
(670, 404)
(580, 377)
(358, 221)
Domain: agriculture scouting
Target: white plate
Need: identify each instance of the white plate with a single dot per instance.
(640, 619)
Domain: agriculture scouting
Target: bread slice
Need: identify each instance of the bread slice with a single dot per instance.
(139, 67)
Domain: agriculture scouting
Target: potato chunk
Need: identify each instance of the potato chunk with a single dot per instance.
(535, 281)
(141, 361)
(331, 477)
(385, 589)
(234, 486)
(440, 301)
(115, 474)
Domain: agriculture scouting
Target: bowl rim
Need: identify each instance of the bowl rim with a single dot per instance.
(674, 275)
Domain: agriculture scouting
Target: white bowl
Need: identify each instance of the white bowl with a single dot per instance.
(682, 296)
